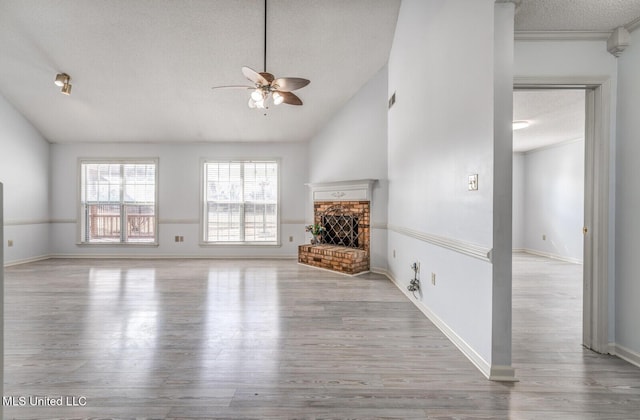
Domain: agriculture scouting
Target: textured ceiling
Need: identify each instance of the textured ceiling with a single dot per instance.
(143, 70)
(559, 115)
(576, 15)
(555, 116)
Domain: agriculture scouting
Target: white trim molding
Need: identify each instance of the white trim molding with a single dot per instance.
(624, 353)
(549, 255)
(502, 374)
(598, 143)
(27, 222)
(63, 221)
(633, 25)
(494, 373)
(26, 260)
(618, 41)
(356, 190)
(466, 248)
(561, 35)
(170, 256)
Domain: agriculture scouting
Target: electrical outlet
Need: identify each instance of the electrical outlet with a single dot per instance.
(290, 238)
(544, 237)
(177, 239)
(433, 278)
(181, 238)
(10, 242)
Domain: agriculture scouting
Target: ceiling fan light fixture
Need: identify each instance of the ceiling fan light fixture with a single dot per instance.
(265, 88)
(257, 95)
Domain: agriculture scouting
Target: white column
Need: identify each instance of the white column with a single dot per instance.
(1, 299)
(501, 369)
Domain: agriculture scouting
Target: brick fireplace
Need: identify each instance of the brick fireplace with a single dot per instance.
(344, 210)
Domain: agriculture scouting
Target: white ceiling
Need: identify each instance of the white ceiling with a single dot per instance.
(555, 116)
(142, 69)
(559, 115)
(576, 15)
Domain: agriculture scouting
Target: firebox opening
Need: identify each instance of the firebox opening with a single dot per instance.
(341, 228)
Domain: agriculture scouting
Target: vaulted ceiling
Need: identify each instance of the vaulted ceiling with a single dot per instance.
(142, 70)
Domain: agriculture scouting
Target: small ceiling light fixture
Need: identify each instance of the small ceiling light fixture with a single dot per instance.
(64, 81)
(520, 124)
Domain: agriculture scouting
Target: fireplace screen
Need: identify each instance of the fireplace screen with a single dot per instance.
(341, 227)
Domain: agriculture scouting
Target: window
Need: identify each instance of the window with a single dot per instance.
(118, 202)
(241, 202)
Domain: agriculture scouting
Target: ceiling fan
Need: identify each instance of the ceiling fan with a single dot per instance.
(266, 87)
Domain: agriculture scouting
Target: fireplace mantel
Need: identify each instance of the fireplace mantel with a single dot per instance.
(357, 190)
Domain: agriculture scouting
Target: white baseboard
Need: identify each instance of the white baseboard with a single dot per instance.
(148, 257)
(502, 374)
(624, 353)
(383, 271)
(26, 260)
(494, 373)
(549, 255)
(173, 256)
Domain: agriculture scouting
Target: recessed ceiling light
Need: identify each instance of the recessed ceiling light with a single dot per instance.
(520, 124)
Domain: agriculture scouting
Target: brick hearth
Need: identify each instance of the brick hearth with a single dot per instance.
(336, 258)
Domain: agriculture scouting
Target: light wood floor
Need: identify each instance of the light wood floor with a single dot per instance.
(273, 339)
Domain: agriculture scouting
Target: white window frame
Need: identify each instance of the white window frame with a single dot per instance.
(81, 220)
(203, 204)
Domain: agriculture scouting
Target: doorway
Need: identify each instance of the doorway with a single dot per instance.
(596, 201)
(548, 217)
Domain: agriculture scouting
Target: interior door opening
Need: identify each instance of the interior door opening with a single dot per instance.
(550, 210)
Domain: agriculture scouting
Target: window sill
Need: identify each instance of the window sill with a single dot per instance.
(118, 244)
(241, 244)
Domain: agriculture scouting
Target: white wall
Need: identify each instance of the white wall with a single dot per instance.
(554, 201)
(627, 263)
(179, 196)
(441, 131)
(24, 171)
(353, 145)
(519, 214)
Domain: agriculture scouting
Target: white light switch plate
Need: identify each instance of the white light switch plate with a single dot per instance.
(473, 182)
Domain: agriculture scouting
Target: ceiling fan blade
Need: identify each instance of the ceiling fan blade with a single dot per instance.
(254, 76)
(268, 76)
(233, 87)
(289, 98)
(288, 84)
